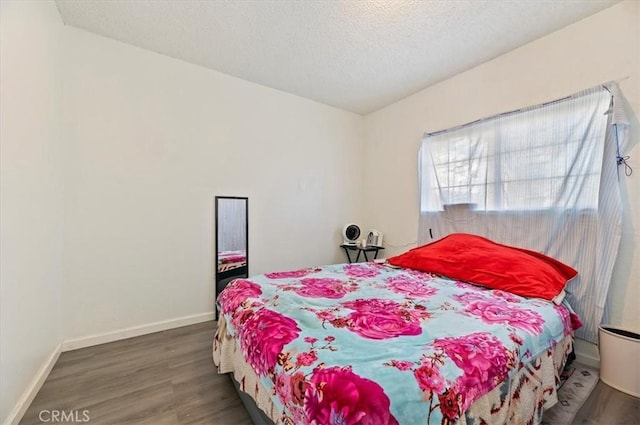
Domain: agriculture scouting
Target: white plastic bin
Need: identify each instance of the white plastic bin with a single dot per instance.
(620, 359)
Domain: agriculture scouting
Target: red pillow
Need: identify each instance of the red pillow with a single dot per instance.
(478, 260)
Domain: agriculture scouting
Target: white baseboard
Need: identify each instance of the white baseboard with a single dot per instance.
(88, 341)
(588, 360)
(32, 390)
(587, 353)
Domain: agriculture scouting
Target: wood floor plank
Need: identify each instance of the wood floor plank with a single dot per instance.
(132, 406)
(168, 378)
(606, 405)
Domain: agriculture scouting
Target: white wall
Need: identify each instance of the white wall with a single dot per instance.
(149, 141)
(597, 49)
(152, 140)
(31, 193)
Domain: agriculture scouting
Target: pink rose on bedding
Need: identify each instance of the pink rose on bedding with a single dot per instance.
(306, 359)
(501, 312)
(377, 318)
(429, 379)
(289, 274)
(336, 395)
(236, 293)
(570, 320)
(413, 287)
(323, 287)
(283, 388)
(361, 270)
(381, 324)
(263, 336)
(482, 357)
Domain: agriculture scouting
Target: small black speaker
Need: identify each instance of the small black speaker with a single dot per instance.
(351, 233)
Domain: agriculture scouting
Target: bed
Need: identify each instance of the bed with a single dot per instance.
(231, 263)
(372, 343)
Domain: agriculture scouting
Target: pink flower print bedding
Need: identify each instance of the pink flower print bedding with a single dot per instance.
(370, 344)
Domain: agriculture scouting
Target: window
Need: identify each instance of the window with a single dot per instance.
(547, 157)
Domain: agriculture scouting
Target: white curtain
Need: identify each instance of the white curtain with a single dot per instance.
(543, 178)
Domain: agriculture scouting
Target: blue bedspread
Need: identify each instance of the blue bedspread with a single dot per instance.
(370, 344)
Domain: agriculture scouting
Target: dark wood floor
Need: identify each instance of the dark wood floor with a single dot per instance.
(162, 378)
(608, 406)
(169, 378)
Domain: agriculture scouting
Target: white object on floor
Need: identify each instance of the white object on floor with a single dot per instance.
(620, 359)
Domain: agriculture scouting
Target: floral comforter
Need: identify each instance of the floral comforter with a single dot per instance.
(370, 344)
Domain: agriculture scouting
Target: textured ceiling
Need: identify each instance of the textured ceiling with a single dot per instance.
(359, 55)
